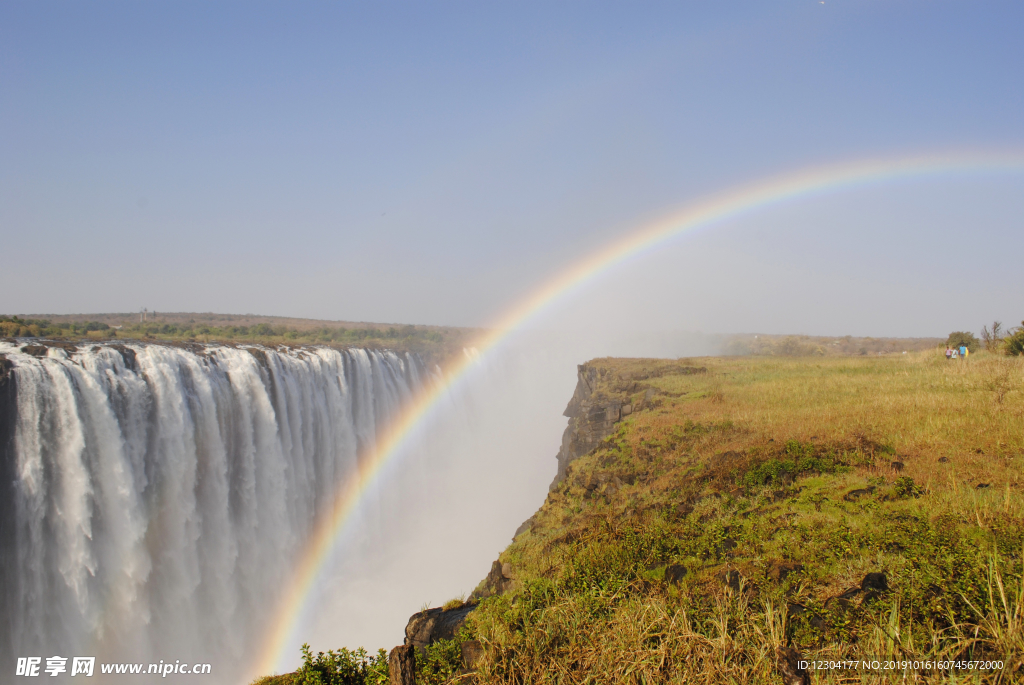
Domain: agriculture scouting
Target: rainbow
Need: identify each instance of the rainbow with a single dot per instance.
(716, 209)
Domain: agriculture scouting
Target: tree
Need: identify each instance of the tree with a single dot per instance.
(958, 338)
(1014, 343)
(994, 338)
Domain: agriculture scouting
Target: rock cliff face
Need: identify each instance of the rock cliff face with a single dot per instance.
(592, 417)
(601, 400)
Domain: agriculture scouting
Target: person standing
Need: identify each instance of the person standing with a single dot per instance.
(949, 353)
(963, 351)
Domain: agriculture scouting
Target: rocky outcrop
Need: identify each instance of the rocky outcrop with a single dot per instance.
(427, 627)
(402, 665)
(592, 418)
(497, 582)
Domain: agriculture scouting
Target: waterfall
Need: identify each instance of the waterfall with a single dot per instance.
(154, 497)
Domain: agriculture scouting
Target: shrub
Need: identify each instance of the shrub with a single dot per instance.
(438, 663)
(1013, 344)
(343, 667)
(905, 487)
(958, 338)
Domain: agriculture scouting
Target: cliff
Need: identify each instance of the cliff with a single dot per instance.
(726, 519)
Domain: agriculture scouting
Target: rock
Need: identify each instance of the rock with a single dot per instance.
(787, 660)
(943, 460)
(675, 573)
(982, 486)
(730, 578)
(427, 627)
(875, 581)
(897, 466)
(472, 654)
(526, 525)
(402, 665)
(626, 410)
(506, 571)
(496, 583)
(854, 495)
(780, 570)
(592, 418)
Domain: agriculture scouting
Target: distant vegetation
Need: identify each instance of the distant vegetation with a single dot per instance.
(820, 346)
(436, 340)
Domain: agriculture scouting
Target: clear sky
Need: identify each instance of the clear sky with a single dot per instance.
(430, 162)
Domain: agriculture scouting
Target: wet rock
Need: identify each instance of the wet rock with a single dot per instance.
(787, 660)
(675, 573)
(402, 665)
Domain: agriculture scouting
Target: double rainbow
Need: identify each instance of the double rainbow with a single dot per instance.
(716, 209)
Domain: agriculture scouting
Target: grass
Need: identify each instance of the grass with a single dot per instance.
(776, 485)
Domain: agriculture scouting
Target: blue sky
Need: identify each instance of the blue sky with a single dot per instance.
(430, 162)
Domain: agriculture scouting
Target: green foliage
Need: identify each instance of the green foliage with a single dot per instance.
(342, 667)
(438, 663)
(1013, 344)
(958, 338)
(796, 458)
(905, 487)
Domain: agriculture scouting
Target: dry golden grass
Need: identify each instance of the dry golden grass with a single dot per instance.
(682, 485)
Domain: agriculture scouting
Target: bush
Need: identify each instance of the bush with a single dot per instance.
(1013, 344)
(343, 667)
(438, 663)
(958, 338)
(905, 487)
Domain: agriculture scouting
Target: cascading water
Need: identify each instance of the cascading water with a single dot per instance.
(154, 497)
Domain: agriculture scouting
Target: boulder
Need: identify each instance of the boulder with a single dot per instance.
(787, 660)
(402, 665)
(427, 627)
